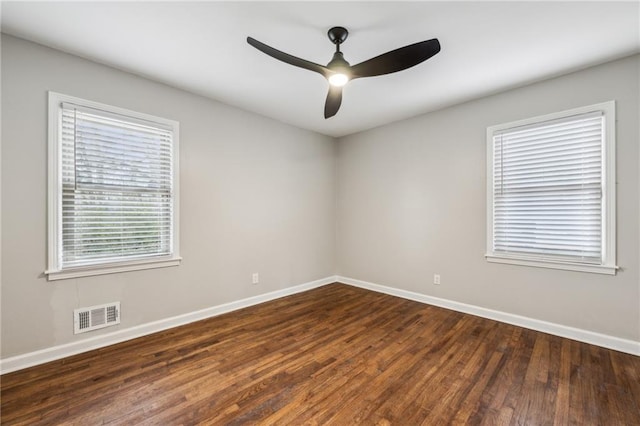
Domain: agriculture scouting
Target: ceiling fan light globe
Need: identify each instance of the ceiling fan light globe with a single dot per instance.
(338, 79)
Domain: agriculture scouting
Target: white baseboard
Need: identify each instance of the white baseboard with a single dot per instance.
(31, 359)
(62, 351)
(606, 341)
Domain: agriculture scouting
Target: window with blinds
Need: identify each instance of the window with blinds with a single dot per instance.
(550, 190)
(116, 196)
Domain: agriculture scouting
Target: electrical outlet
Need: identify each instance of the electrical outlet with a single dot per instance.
(255, 278)
(436, 279)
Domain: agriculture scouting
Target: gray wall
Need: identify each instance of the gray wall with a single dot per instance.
(411, 203)
(255, 196)
(392, 206)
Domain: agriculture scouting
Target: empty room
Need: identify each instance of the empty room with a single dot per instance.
(341, 213)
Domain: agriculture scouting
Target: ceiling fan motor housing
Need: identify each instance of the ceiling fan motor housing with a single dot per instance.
(338, 62)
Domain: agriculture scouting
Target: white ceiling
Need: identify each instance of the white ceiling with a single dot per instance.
(201, 47)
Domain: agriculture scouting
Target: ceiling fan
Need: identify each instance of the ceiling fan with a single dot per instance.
(338, 71)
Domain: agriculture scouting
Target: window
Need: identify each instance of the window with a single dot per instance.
(113, 189)
(551, 191)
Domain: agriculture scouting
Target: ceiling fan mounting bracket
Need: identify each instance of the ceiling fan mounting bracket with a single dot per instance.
(338, 35)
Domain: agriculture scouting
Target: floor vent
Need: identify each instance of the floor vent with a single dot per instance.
(95, 317)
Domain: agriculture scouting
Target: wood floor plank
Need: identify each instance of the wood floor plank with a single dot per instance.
(334, 355)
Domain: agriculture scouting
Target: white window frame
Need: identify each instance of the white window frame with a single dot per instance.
(54, 270)
(608, 227)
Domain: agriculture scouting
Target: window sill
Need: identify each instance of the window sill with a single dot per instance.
(568, 266)
(87, 271)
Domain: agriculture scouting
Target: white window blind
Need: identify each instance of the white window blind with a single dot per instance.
(551, 196)
(116, 187)
(547, 183)
(113, 189)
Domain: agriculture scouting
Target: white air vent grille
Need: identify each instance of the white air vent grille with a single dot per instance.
(95, 317)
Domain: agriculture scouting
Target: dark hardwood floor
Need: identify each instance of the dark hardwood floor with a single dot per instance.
(334, 355)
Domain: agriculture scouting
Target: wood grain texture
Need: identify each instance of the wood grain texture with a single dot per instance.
(334, 355)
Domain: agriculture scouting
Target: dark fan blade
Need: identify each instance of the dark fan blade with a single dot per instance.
(289, 59)
(396, 60)
(334, 99)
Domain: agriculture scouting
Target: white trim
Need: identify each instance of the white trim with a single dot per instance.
(606, 107)
(608, 231)
(112, 268)
(54, 181)
(31, 359)
(609, 184)
(568, 266)
(598, 339)
(54, 211)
